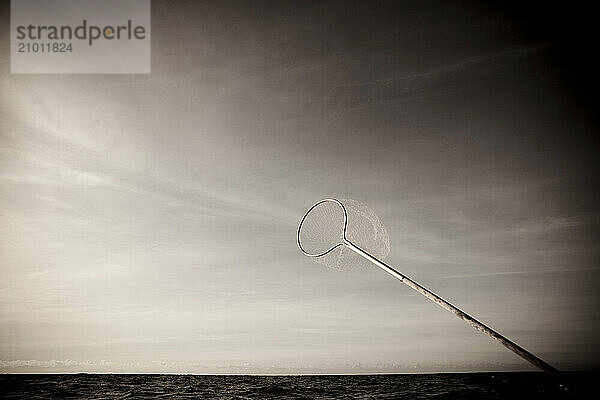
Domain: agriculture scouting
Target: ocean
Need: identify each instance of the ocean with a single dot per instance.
(511, 385)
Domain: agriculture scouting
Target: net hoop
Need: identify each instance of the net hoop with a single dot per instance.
(299, 242)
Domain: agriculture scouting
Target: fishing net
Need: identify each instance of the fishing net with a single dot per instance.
(346, 234)
(324, 227)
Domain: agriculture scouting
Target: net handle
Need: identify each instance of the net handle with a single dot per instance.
(538, 362)
(299, 242)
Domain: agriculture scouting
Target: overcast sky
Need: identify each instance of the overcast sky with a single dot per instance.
(148, 221)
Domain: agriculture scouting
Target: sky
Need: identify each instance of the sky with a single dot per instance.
(148, 221)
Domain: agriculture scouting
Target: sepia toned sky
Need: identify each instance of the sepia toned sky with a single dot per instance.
(148, 221)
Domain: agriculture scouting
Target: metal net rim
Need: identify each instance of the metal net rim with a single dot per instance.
(318, 203)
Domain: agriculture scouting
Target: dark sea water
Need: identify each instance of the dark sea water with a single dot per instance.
(528, 385)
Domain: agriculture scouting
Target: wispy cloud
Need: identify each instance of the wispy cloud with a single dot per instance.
(476, 65)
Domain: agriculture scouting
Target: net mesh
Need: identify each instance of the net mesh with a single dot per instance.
(324, 229)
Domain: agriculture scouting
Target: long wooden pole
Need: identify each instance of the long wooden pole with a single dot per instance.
(538, 362)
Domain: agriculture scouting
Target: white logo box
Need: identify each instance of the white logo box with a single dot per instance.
(80, 36)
